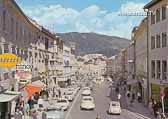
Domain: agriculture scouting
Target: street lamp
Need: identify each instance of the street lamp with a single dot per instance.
(147, 41)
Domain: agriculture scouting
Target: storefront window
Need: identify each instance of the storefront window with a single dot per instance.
(6, 48)
(0, 50)
(164, 70)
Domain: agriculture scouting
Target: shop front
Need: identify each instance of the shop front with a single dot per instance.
(6, 98)
(155, 93)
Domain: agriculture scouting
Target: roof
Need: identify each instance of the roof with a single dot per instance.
(150, 4)
(39, 83)
(8, 96)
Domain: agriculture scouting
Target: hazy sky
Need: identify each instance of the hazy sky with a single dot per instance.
(100, 16)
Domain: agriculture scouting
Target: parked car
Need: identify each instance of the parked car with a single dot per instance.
(86, 91)
(62, 104)
(87, 103)
(74, 90)
(114, 107)
(69, 95)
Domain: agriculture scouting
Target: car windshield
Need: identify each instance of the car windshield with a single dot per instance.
(87, 99)
(61, 101)
(114, 104)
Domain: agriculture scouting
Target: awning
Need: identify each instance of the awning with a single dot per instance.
(39, 83)
(31, 89)
(8, 96)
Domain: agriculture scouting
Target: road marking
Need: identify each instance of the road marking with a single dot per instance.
(134, 114)
(143, 116)
(69, 111)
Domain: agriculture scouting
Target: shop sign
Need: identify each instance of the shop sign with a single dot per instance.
(8, 60)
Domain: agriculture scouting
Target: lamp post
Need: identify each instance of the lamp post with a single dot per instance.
(147, 52)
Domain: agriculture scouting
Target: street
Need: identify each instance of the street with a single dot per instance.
(100, 94)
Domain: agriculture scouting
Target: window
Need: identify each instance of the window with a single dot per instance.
(46, 44)
(152, 42)
(18, 52)
(164, 40)
(164, 70)
(158, 69)
(4, 20)
(30, 54)
(25, 54)
(157, 41)
(12, 26)
(157, 15)
(153, 69)
(164, 12)
(6, 48)
(152, 18)
(16, 30)
(13, 50)
(1, 49)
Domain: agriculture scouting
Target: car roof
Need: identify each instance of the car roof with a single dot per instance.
(114, 102)
(84, 97)
(86, 87)
(62, 99)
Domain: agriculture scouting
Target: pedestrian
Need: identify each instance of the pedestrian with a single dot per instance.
(133, 96)
(18, 114)
(40, 102)
(155, 108)
(119, 97)
(98, 117)
(117, 89)
(31, 102)
(150, 107)
(44, 115)
(128, 94)
(59, 93)
(139, 97)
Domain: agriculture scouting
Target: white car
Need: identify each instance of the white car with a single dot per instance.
(86, 91)
(69, 95)
(72, 90)
(114, 108)
(87, 103)
(62, 104)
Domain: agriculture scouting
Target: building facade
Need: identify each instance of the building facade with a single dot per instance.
(158, 46)
(36, 46)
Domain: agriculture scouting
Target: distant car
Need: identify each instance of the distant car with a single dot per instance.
(86, 91)
(87, 103)
(69, 95)
(114, 108)
(74, 90)
(62, 104)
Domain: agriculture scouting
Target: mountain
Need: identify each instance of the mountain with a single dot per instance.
(95, 43)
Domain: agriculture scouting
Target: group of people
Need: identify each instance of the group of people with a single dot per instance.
(133, 96)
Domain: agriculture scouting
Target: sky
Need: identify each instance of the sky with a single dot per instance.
(99, 16)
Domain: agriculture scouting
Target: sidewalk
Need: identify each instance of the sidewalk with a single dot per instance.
(139, 109)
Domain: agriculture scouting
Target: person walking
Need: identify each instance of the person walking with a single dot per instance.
(155, 108)
(150, 107)
(59, 93)
(98, 117)
(128, 94)
(119, 97)
(40, 102)
(139, 97)
(18, 114)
